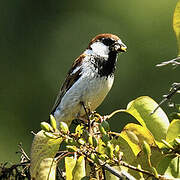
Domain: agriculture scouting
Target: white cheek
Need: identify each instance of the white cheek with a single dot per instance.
(100, 49)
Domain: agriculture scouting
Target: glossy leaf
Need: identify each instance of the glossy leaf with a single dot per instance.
(135, 135)
(79, 170)
(128, 153)
(53, 122)
(70, 163)
(157, 123)
(43, 165)
(170, 166)
(173, 130)
(79, 130)
(176, 24)
(75, 168)
(142, 160)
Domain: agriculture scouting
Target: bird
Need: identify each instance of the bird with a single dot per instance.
(89, 79)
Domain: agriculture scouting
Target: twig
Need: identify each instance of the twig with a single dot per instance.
(113, 113)
(136, 169)
(174, 62)
(23, 152)
(120, 174)
(175, 88)
(62, 155)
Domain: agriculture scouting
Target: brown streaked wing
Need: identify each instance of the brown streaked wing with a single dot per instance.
(69, 81)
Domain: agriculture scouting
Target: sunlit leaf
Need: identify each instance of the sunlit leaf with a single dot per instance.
(135, 135)
(70, 163)
(143, 161)
(173, 130)
(43, 164)
(75, 168)
(101, 146)
(176, 24)
(128, 154)
(157, 123)
(79, 130)
(79, 169)
(147, 149)
(170, 166)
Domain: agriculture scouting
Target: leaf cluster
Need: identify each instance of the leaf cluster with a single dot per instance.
(145, 150)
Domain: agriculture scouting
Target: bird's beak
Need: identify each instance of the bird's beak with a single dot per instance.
(120, 46)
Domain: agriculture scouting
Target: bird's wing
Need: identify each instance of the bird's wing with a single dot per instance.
(73, 75)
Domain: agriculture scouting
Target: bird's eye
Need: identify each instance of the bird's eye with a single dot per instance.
(107, 41)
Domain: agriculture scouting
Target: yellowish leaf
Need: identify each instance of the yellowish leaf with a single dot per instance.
(128, 154)
(169, 166)
(135, 135)
(75, 168)
(143, 161)
(70, 163)
(176, 24)
(157, 123)
(173, 130)
(43, 150)
(79, 170)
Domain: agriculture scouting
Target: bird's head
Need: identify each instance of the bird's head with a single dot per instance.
(103, 44)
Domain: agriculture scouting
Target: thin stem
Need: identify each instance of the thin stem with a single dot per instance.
(119, 174)
(175, 88)
(122, 163)
(174, 62)
(113, 113)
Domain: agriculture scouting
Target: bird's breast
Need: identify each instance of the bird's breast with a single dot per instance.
(96, 90)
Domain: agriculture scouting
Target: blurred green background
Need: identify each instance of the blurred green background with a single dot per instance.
(40, 40)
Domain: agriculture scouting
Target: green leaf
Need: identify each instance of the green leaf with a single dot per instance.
(142, 160)
(70, 163)
(147, 149)
(170, 166)
(75, 168)
(176, 24)
(46, 127)
(79, 170)
(157, 123)
(43, 150)
(79, 130)
(53, 122)
(110, 150)
(177, 107)
(105, 125)
(63, 127)
(173, 130)
(93, 141)
(135, 135)
(128, 154)
(101, 147)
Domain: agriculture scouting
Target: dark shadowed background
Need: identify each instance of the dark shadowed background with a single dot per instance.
(40, 39)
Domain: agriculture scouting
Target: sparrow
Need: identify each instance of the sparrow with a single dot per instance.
(89, 80)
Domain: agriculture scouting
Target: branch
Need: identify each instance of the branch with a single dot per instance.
(175, 88)
(136, 169)
(120, 174)
(173, 62)
(160, 177)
